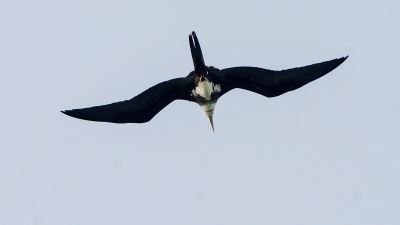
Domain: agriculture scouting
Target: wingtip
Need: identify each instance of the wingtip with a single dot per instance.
(74, 114)
(66, 112)
(342, 59)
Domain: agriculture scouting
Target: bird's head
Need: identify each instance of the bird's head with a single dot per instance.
(200, 68)
(209, 110)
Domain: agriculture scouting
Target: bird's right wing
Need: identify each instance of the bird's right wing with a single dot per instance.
(273, 83)
(141, 108)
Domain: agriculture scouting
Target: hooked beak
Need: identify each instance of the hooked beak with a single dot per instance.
(209, 110)
(197, 55)
(210, 117)
(210, 113)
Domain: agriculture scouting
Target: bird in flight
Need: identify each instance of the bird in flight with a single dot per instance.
(204, 86)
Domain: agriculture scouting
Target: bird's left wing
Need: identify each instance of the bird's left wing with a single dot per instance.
(141, 108)
(272, 83)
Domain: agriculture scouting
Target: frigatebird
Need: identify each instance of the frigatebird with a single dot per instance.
(205, 85)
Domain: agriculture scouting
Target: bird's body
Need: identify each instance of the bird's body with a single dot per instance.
(205, 89)
(205, 85)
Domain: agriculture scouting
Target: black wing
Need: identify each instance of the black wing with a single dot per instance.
(141, 108)
(273, 83)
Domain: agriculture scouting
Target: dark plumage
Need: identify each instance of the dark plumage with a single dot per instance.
(139, 109)
(204, 86)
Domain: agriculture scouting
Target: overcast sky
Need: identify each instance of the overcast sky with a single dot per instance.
(325, 154)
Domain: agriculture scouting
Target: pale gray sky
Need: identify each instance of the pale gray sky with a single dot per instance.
(327, 153)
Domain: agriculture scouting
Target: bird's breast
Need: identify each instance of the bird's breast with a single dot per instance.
(205, 89)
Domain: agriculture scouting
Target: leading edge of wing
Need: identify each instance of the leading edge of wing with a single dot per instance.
(140, 109)
(272, 83)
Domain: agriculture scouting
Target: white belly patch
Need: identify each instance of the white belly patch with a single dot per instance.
(205, 89)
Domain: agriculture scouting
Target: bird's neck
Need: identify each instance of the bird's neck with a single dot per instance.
(208, 107)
